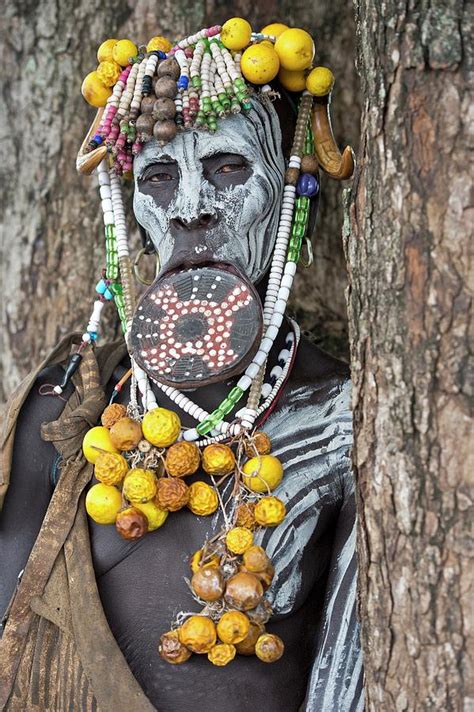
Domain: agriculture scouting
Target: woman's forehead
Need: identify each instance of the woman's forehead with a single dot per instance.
(234, 135)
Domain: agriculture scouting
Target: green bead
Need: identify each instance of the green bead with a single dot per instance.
(226, 406)
(299, 231)
(235, 394)
(204, 427)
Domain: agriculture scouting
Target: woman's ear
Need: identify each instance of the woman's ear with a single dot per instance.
(147, 243)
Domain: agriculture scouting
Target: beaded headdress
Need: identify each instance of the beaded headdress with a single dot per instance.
(155, 92)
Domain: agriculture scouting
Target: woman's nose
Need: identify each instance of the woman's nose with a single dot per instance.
(204, 221)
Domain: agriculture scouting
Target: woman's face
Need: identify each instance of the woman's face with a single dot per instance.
(214, 197)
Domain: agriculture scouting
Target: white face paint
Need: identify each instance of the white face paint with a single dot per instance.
(243, 217)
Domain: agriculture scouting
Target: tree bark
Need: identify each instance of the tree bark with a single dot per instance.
(408, 300)
(52, 246)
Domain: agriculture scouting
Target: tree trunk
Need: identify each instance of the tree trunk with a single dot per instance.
(408, 257)
(52, 247)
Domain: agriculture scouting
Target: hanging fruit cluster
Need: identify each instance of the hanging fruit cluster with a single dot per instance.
(140, 468)
(230, 577)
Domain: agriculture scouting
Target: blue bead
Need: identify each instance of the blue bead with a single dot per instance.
(98, 139)
(108, 294)
(161, 55)
(183, 82)
(100, 287)
(307, 185)
(93, 335)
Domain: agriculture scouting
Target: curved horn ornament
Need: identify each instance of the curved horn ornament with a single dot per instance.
(86, 162)
(336, 164)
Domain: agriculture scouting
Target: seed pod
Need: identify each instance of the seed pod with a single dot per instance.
(171, 650)
(197, 562)
(169, 68)
(221, 654)
(208, 584)
(113, 413)
(165, 86)
(147, 104)
(131, 524)
(233, 627)
(255, 559)
(261, 613)
(238, 540)
(172, 493)
(110, 468)
(198, 633)
(125, 434)
(291, 176)
(144, 127)
(164, 131)
(309, 164)
(269, 648)
(260, 444)
(265, 577)
(218, 459)
(247, 646)
(163, 109)
(182, 459)
(243, 591)
(245, 515)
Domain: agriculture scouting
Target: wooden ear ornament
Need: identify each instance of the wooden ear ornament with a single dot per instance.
(336, 164)
(86, 162)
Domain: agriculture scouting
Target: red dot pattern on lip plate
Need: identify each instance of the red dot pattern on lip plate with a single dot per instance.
(213, 349)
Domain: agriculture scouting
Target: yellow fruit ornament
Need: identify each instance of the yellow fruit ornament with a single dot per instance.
(213, 562)
(161, 427)
(203, 499)
(263, 473)
(158, 43)
(233, 627)
(260, 63)
(155, 515)
(105, 51)
(275, 29)
(198, 633)
(270, 512)
(221, 654)
(103, 503)
(295, 49)
(109, 73)
(239, 540)
(218, 459)
(236, 33)
(139, 485)
(320, 81)
(293, 81)
(95, 440)
(182, 459)
(110, 468)
(123, 51)
(94, 91)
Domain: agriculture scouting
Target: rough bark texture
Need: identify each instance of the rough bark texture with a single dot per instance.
(52, 248)
(408, 255)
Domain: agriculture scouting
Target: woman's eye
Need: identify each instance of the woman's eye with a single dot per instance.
(230, 168)
(159, 177)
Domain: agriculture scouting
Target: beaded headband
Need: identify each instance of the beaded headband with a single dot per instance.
(156, 90)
